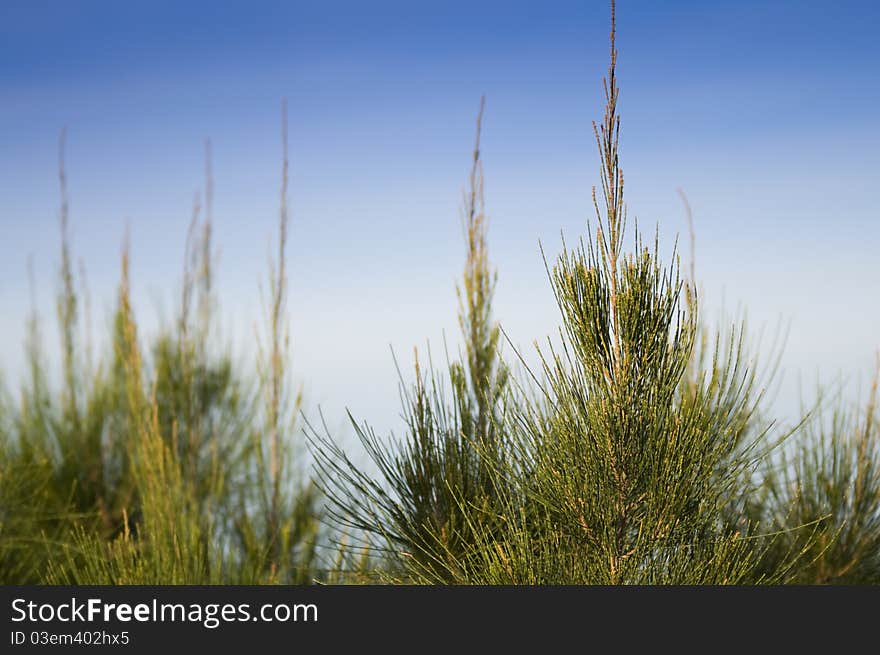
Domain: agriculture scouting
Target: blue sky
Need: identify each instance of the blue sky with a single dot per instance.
(764, 113)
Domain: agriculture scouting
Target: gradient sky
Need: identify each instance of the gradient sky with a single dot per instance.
(765, 113)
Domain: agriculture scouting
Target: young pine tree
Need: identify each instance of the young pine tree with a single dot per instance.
(419, 512)
(624, 468)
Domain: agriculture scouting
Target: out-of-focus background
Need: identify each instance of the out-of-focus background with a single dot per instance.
(765, 114)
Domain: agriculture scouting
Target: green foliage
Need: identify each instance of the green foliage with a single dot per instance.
(166, 544)
(639, 451)
(418, 516)
(143, 470)
(830, 477)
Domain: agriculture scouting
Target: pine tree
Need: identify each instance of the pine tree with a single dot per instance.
(419, 514)
(829, 479)
(151, 467)
(623, 468)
